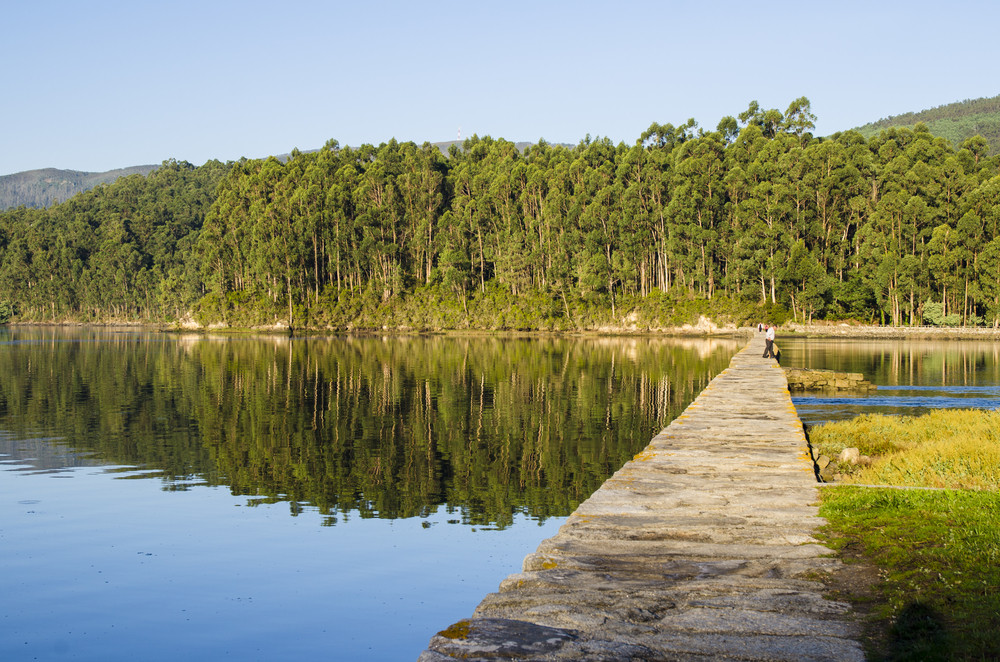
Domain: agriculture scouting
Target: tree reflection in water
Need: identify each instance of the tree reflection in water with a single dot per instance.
(386, 427)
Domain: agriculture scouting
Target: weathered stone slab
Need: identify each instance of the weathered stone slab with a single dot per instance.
(699, 548)
(807, 379)
(491, 638)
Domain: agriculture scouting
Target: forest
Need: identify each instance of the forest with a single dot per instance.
(757, 219)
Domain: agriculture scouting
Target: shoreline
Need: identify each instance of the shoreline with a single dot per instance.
(889, 332)
(703, 329)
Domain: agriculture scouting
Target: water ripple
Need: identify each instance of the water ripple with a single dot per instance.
(817, 409)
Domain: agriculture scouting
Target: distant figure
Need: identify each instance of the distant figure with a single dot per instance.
(769, 343)
(760, 327)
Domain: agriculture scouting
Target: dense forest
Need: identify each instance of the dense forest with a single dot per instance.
(756, 219)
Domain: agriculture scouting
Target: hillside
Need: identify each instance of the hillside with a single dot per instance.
(41, 188)
(955, 121)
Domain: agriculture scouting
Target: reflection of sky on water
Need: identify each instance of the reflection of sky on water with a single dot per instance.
(986, 391)
(209, 575)
(42, 454)
(108, 560)
(898, 399)
(815, 410)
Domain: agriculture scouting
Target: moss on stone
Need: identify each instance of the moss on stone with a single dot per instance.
(458, 630)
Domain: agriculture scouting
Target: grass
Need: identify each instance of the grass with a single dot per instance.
(944, 448)
(937, 551)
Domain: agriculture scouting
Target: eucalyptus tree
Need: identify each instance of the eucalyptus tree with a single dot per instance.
(636, 178)
(539, 226)
(421, 186)
(561, 211)
(808, 282)
(838, 226)
(799, 120)
(338, 215)
(222, 247)
(764, 200)
(309, 177)
(903, 210)
(969, 241)
(18, 271)
(462, 243)
(834, 176)
(503, 176)
(600, 218)
(379, 231)
(696, 208)
(770, 121)
(988, 281)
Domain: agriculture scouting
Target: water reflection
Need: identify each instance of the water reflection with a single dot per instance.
(385, 427)
(44, 455)
(912, 375)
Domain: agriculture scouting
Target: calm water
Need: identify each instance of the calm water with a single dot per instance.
(912, 375)
(166, 497)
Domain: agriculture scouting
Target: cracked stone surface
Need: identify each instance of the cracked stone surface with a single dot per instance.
(699, 548)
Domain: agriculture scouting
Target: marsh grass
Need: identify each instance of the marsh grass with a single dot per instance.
(937, 552)
(954, 448)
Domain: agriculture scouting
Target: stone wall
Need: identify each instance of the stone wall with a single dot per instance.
(804, 379)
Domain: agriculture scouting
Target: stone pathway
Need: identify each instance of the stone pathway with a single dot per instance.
(700, 548)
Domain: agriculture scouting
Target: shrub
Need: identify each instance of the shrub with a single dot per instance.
(934, 315)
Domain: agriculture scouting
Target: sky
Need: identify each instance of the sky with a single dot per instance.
(102, 84)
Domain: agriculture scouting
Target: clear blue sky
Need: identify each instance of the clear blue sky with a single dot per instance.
(105, 84)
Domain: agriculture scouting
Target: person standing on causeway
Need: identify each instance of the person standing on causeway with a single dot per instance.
(769, 343)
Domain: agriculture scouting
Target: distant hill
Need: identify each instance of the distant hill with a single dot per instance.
(40, 188)
(954, 122)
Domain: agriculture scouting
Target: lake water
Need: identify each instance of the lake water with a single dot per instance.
(166, 497)
(912, 375)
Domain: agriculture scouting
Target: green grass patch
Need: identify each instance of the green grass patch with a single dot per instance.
(937, 552)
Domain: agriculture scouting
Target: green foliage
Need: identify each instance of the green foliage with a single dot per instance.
(6, 311)
(120, 252)
(41, 188)
(759, 222)
(934, 315)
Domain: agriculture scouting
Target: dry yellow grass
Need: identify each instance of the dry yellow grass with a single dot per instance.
(956, 448)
